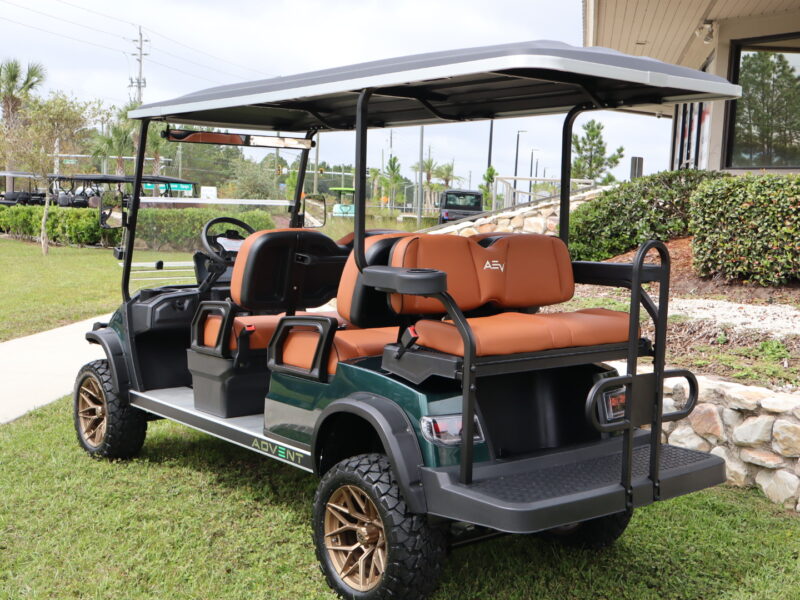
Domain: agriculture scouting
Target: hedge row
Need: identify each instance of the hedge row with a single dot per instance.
(748, 228)
(178, 229)
(620, 219)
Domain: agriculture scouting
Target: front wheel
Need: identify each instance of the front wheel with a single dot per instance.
(368, 545)
(593, 534)
(106, 425)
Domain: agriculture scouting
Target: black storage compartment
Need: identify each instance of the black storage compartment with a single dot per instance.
(224, 392)
(527, 412)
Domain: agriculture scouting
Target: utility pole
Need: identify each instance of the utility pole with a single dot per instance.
(140, 82)
(491, 134)
(316, 165)
(516, 163)
(180, 160)
(421, 191)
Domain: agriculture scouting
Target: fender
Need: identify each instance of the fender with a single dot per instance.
(396, 434)
(108, 339)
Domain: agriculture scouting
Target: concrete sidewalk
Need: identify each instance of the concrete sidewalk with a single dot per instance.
(40, 368)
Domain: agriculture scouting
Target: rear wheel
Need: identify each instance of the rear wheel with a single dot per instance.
(594, 534)
(368, 545)
(106, 425)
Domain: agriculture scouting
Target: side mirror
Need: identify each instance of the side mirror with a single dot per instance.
(112, 211)
(315, 211)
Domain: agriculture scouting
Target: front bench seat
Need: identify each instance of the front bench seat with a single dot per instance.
(513, 273)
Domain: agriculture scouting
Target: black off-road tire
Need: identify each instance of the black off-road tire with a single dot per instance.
(594, 534)
(125, 425)
(415, 550)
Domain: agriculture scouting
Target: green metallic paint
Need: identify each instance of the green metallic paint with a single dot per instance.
(365, 375)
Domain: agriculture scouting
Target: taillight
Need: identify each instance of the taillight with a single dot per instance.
(446, 430)
(445, 214)
(614, 403)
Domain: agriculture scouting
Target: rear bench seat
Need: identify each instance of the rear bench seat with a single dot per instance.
(513, 273)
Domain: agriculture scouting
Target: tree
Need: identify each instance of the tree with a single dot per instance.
(487, 186)
(116, 142)
(392, 178)
(15, 88)
(767, 131)
(429, 167)
(252, 180)
(446, 172)
(51, 126)
(374, 180)
(590, 159)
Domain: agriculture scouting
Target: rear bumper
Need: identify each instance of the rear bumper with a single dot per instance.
(559, 488)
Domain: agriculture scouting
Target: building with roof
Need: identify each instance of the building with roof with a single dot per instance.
(755, 43)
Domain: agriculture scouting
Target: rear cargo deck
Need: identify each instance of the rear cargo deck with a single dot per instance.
(559, 488)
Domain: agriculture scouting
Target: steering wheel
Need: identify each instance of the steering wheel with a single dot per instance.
(216, 251)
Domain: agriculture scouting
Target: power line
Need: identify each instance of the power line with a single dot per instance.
(160, 49)
(184, 72)
(52, 16)
(62, 35)
(166, 37)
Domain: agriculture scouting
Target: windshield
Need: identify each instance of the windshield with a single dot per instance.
(463, 200)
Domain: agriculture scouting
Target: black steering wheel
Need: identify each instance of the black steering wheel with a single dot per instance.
(214, 249)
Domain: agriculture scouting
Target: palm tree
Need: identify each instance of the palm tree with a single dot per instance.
(446, 173)
(392, 177)
(14, 88)
(117, 142)
(429, 167)
(374, 179)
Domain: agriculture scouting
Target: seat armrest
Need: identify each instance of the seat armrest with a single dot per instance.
(612, 274)
(398, 280)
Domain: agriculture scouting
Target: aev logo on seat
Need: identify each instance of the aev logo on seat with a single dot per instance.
(494, 265)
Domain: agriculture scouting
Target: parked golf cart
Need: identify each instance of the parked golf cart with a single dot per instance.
(29, 195)
(437, 406)
(459, 204)
(85, 191)
(344, 205)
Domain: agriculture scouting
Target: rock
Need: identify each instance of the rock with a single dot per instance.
(731, 418)
(503, 229)
(680, 391)
(735, 469)
(505, 222)
(743, 397)
(762, 458)
(448, 229)
(468, 231)
(778, 486)
(710, 390)
(517, 222)
(482, 221)
(534, 225)
(781, 403)
(552, 224)
(786, 438)
(668, 406)
(753, 431)
(705, 421)
(486, 228)
(685, 437)
(460, 226)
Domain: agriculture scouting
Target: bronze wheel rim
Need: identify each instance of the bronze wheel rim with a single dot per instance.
(91, 411)
(355, 538)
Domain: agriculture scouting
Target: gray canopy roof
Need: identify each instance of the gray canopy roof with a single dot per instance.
(509, 80)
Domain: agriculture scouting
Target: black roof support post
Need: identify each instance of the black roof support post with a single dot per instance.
(297, 217)
(130, 236)
(361, 178)
(566, 168)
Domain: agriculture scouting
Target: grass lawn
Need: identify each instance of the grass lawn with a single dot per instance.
(69, 284)
(194, 517)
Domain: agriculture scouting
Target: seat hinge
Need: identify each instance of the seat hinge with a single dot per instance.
(243, 347)
(407, 339)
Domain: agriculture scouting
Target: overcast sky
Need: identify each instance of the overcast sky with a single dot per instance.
(196, 44)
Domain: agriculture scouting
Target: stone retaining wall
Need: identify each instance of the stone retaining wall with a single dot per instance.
(755, 430)
(539, 218)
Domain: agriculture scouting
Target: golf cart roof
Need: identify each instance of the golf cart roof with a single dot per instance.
(342, 189)
(104, 178)
(20, 174)
(508, 80)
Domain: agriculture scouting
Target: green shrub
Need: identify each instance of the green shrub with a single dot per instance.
(620, 219)
(176, 228)
(748, 228)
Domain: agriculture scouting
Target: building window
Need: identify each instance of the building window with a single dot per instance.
(764, 124)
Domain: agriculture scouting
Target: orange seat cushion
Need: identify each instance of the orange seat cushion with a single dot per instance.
(265, 328)
(300, 345)
(511, 332)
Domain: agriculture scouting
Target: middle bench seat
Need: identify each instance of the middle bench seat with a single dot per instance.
(514, 274)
